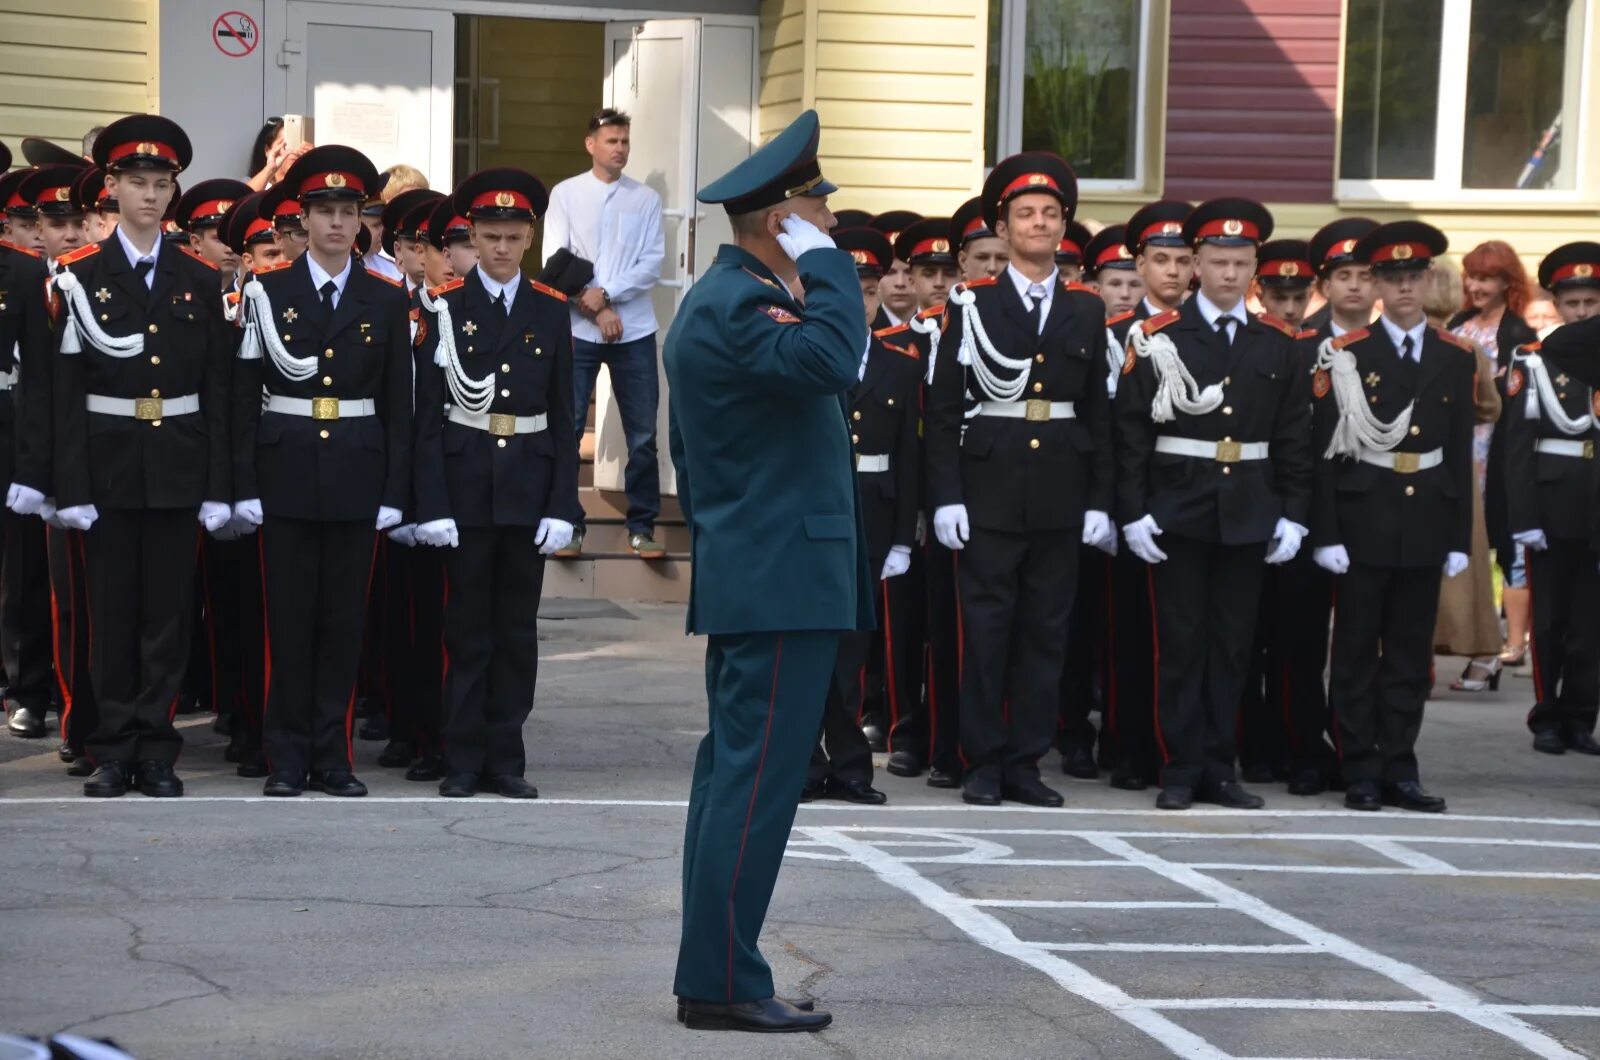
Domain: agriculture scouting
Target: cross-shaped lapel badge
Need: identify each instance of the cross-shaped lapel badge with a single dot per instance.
(102, 295)
(1372, 378)
(1562, 380)
(470, 328)
(291, 315)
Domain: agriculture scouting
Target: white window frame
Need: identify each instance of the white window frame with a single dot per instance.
(1450, 130)
(1008, 116)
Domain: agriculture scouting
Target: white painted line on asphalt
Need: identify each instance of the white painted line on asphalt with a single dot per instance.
(1247, 866)
(1301, 1004)
(1415, 859)
(1351, 837)
(1027, 903)
(1176, 947)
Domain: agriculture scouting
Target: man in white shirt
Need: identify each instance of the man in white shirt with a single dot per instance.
(614, 222)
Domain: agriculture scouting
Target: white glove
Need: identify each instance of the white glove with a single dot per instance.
(1331, 558)
(800, 235)
(1141, 537)
(896, 563)
(1288, 537)
(439, 533)
(214, 515)
(553, 536)
(78, 517)
(1455, 563)
(1098, 531)
(405, 534)
(248, 512)
(387, 517)
(1533, 539)
(951, 528)
(24, 500)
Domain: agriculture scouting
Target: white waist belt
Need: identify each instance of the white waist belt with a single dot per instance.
(1403, 463)
(1584, 450)
(873, 464)
(321, 408)
(150, 408)
(8, 380)
(1033, 410)
(498, 423)
(1224, 452)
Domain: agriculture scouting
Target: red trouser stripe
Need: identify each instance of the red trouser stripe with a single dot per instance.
(1155, 664)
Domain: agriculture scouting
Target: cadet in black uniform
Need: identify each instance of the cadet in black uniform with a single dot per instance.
(1550, 492)
(1070, 251)
(288, 220)
(897, 302)
(1393, 441)
(1108, 267)
(1213, 457)
(979, 252)
(1017, 486)
(141, 446)
(22, 220)
(322, 459)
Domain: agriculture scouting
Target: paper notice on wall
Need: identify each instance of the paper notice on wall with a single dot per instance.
(370, 126)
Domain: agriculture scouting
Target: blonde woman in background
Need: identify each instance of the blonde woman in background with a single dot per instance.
(1469, 623)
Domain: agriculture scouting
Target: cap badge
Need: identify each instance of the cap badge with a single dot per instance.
(941, 246)
(335, 180)
(224, 205)
(1289, 268)
(145, 147)
(859, 256)
(1171, 228)
(1036, 179)
(63, 194)
(1583, 271)
(1347, 247)
(1122, 252)
(504, 198)
(1232, 227)
(1402, 252)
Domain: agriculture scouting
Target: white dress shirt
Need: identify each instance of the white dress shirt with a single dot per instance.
(1022, 284)
(1398, 336)
(496, 288)
(617, 226)
(319, 276)
(382, 264)
(1211, 313)
(135, 256)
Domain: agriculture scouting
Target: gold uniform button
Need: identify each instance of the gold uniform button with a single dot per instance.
(155, 393)
(538, 350)
(501, 442)
(1227, 471)
(1227, 410)
(107, 316)
(154, 329)
(505, 393)
(505, 367)
(855, 438)
(155, 423)
(1038, 387)
(155, 360)
(1411, 491)
(323, 432)
(1415, 430)
(1038, 358)
(1227, 380)
(1033, 443)
(856, 415)
(326, 353)
(327, 380)
(891, 402)
(286, 337)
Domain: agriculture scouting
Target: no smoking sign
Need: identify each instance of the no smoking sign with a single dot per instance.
(235, 34)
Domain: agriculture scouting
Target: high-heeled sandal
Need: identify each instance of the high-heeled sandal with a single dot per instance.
(1490, 681)
(1514, 658)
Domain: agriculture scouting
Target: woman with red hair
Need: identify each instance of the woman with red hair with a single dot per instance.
(1496, 292)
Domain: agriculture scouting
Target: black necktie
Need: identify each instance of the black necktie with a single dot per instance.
(328, 290)
(142, 269)
(1224, 330)
(1405, 348)
(1036, 294)
(500, 301)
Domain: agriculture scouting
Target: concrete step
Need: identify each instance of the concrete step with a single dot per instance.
(604, 536)
(618, 577)
(613, 504)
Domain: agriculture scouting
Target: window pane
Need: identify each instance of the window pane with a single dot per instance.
(1391, 89)
(1080, 84)
(1521, 91)
(991, 91)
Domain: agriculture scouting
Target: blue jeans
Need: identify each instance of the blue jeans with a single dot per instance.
(632, 365)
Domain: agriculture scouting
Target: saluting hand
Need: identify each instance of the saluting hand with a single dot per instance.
(800, 235)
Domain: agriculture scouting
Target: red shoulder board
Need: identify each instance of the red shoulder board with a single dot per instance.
(20, 250)
(390, 280)
(231, 297)
(72, 257)
(931, 312)
(547, 289)
(1308, 333)
(1074, 285)
(1455, 340)
(1119, 318)
(274, 267)
(1350, 336)
(983, 281)
(196, 255)
(1277, 325)
(884, 333)
(903, 351)
(445, 288)
(1533, 347)
(1159, 321)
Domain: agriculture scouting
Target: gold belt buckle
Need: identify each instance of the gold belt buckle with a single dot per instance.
(502, 425)
(147, 408)
(1036, 411)
(1228, 452)
(1407, 463)
(324, 408)
(1588, 449)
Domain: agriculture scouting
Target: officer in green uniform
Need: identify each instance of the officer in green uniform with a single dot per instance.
(758, 381)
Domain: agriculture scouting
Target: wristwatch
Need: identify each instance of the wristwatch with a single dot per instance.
(605, 297)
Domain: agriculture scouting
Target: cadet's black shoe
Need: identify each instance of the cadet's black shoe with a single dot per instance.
(395, 753)
(1230, 794)
(1363, 795)
(981, 789)
(66, 753)
(108, 782)
(459, 786)
(1078, 762)
(1029, 790)
(812, 790)
(1175, 797)
(1583, 742)
(512, 786)
(1128, 781)
(284, 784)
(158, 781)
(1307, 782)
(804, 1004)
(426, 767)
(1410, 795)
(938, 778)
(24, 721)
(1549, 742)
(875, 738)
(252, 763)
(769, 1016)
(860, 792)
(340, 782)
(904, 764)
(81, 767)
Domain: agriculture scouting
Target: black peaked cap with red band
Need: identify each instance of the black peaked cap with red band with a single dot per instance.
(91, 191)
(48, 190)
(1401, 245)
(398, 211)
(1158, 224)
(1072, 248)
(968, 224)
(331, 173)
(143, 141)
(1285, 263)
(851, 218)
(1228, 223)
(869, 248)
(1107, 250)
(1028, 173)
(502, 194)
(445, 226)
(1571, 265)
(279, 205)
(203, 205)
(892, 222)
(245, 225)
(927, 242)
(1334, 244)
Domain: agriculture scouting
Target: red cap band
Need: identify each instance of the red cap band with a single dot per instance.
(1115, 252)
(1069, 247)
(974, 226)
(214, 208)
(17, 202)
(1286, 267)
(286, 209)
(334, 181)
(256, 228)
(1030, 182)
(1232, 227)
(930, 246)
(59, 193)
(867, 258)
(1401, 252)
(1162, 228)
(141, 147)
(1342, 249)
(502, 200)
(1578, 270)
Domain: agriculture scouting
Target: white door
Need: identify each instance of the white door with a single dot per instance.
(379, 79)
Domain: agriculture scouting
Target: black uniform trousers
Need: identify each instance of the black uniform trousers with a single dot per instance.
(1016, 592)
(1566, 636)
(414, 644)
(315, 575)
(1206, 596)
(942, 658)
(237, 627)
(69, 613)
(1299, 599)
(902, 611)
(1131, 682)
(1382, 668)
(491, 637)
(1083, 674)
(843, 752)
(141, 564)
(25, 647)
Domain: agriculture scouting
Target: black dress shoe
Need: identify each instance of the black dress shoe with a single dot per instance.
(396, 753)
(1229, 793)
(252, 763)
(158, 781)
(24, 721)
(66, 753)
(80, 767)
(1410, 795)
(459, 786)
(1078, 762)
(804, 1004)
(981, 789)
(1128, 781)
(340, 782)
(108, 782)
(1029, 790)
(1307, 782)
(1363, 795)
(860, 792)
(284, 784)
(1583, 742)
(904, 764)
(426, 767)
(768, 1016)
(938, 778)
(1549, 742)
(1175, 797)
(812, 790)
(513, 787)
(374, 728)
(235, 749)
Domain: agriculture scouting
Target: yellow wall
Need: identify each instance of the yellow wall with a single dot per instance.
(68, 65)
